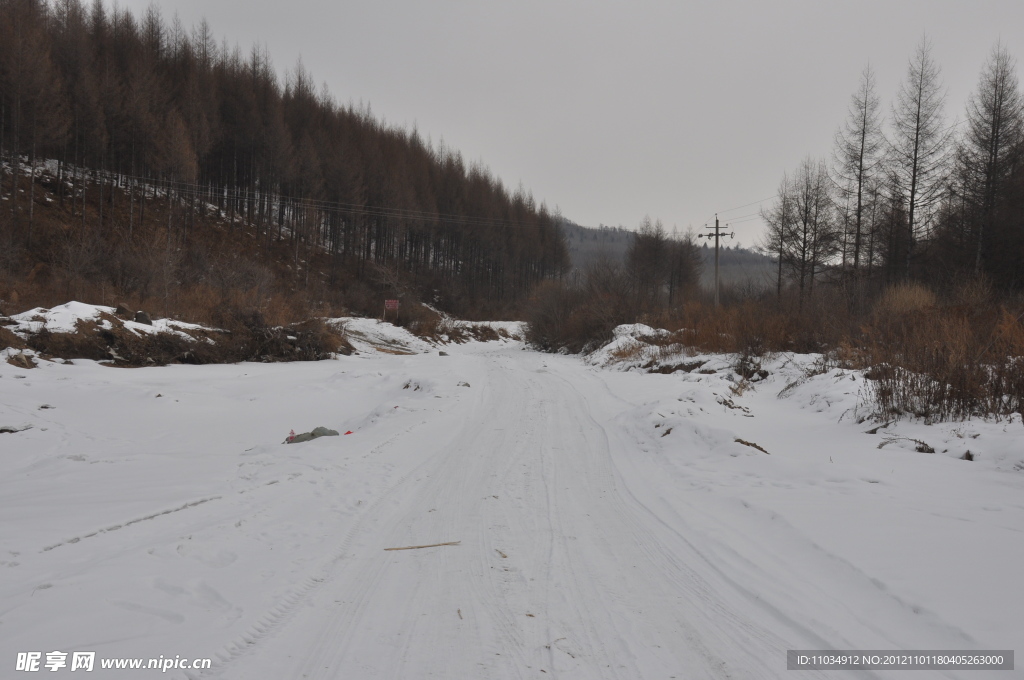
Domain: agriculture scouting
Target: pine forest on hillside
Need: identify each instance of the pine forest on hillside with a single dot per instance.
(157, 132)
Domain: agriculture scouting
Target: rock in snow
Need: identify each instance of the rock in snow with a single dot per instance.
(307, 436)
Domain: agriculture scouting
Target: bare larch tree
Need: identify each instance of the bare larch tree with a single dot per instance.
(919, 144)
(858, 148)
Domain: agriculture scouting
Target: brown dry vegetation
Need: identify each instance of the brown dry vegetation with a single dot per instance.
(947, 362)
(249, 340)
(175, 263)
(179, 264)
(197, 269)
(935, 356)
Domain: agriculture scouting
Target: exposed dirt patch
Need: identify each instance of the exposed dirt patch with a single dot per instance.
(108, 339)
(21, 361)
(685, 367)
(9, 339)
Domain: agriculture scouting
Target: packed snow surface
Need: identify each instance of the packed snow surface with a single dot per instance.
(608, 522)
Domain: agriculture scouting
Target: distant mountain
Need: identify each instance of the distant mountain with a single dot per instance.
(737, 265)
(588, 244)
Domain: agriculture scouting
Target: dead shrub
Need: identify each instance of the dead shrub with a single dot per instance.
(249, 338)
(548, 314)
(317, 340)
(632, 350)
(975, 291)
(947, 363)
(904, 298)
(450, 330)
(421, 320)
(480, 332)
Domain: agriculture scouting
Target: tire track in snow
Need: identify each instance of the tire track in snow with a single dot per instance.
(572, 617)
(276, 617)
(185, 506)
(116, 527)
(589, 588)
(630, 540)
(435, 507)
(722, 633)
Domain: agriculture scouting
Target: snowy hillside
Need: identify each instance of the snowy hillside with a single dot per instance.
(605, 522)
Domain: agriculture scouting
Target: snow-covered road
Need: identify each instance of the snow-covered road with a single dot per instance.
(609, 525)
(560, 567)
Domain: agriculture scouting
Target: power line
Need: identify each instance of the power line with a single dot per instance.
(745, 205)
(752, 218)
(742, 217)
(748, 205)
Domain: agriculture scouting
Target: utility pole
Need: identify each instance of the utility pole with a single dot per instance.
(716, 234)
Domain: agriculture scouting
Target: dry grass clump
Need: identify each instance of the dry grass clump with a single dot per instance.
(482, 332)
(430, 325)
(904, 298)
(420, 320)
(631, 351)
(751, 327)
(973, 292)
(951, 362)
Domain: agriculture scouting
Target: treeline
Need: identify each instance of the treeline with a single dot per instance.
(908, 194)
(137, 109)
(659, 273)
(589, 244)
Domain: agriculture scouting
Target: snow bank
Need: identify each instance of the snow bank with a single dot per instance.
(61, 319)
(376, 336)
(807, 381)
(368, 336)
(819, 487)
(506, 330)
(65, 319)
(372, 336)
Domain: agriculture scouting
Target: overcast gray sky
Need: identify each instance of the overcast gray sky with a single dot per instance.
(616, 110)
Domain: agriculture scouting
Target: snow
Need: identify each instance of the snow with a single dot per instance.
(60, 319)
(515, 330)
(609, 523)
(372, 336)
(65, 318)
